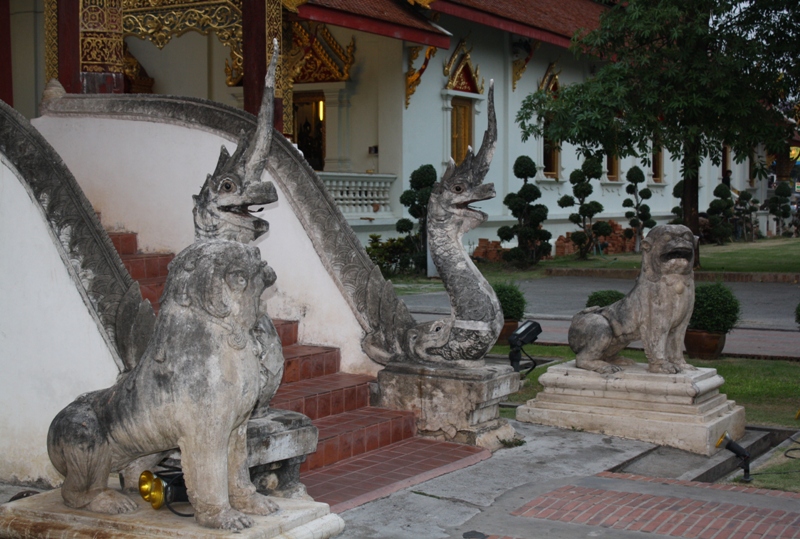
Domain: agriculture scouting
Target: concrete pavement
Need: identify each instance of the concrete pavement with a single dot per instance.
(767, 328)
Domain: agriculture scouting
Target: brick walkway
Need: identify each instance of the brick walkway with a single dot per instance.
(670, 515)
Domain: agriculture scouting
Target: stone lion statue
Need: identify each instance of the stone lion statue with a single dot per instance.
(194, 389)
(657, 310)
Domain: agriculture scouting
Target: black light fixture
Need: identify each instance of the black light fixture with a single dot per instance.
(526, 333)
(739, 451)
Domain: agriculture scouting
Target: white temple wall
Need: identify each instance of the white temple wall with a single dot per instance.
(52, 349)
(141, 176)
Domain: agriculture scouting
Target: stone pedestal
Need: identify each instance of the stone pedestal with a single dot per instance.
(45, 516)
(685, 410)
(459, 405)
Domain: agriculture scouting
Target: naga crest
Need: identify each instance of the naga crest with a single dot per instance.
(222, 209)
(462, 184)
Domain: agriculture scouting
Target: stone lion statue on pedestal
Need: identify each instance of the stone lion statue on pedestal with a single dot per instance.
(657, 310)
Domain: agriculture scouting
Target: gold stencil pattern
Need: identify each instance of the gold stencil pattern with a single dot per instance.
(51, 39)
(101, 36)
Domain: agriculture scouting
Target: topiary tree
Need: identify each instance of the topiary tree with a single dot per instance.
(586, 238)
(779, 205)
(603, 298)
(745, 210)
(532, 239)
(416, 200)
(720, 213)
(640, 217)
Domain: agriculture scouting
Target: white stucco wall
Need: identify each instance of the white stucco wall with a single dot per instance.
(51, 349)
(141, 176)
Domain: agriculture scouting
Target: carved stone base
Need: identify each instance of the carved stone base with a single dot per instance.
(460, 405)
(684, 410)
(45, 515)
(277, 444)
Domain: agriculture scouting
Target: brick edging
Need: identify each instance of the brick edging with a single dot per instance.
(700, 484)
(699, 276)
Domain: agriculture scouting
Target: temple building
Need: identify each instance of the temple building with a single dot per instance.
(369, 90)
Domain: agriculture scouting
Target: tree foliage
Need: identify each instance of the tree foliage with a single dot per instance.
(532, 239)
(685, 76)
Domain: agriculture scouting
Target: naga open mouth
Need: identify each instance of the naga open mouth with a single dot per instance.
(243, 210)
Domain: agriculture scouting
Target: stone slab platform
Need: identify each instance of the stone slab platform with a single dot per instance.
(45, 515)
(685, 410)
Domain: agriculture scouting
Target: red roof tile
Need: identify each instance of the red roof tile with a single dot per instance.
(560, 17)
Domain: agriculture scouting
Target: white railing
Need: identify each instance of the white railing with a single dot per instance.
(360, 195)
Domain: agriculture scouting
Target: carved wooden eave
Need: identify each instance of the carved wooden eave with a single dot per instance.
(414, 76)
(549, 81)
(316, 56)
(524, 52)
(461, 74)
(161, 20)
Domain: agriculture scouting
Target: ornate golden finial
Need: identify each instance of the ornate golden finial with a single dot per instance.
(424, 3)
(526, 49)
(464, 76)
(413, 77)
(550, 80)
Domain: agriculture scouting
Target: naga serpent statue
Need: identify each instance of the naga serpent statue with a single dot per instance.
(463, 338)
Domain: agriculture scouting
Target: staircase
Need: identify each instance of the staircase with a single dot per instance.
(364, 452)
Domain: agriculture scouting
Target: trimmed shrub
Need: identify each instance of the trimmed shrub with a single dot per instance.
(511, 299)
(603, 298)
(716, 309)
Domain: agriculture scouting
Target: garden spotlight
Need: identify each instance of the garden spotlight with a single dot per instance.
(526, 333)
(739, 451)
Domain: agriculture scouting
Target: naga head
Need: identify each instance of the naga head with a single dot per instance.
(462, 185)
(222, 210)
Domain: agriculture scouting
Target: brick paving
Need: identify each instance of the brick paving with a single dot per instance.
(665, 515)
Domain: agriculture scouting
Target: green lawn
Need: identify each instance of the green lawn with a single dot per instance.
(768, 389)
(780, 472)
(766, 255)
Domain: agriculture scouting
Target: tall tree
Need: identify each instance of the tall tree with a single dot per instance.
(689, 77)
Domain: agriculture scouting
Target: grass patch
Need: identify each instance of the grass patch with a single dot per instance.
(773, 255)
(767, 389)
(780, 472)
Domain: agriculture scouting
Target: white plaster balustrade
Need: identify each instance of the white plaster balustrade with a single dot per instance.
(361, 195)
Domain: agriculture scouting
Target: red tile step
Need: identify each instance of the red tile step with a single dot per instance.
(350, 434)
(303, 362)
(124, 242)
(325, 395)
(152, 289)
(287, 330)
(376, 474)
(147, 265)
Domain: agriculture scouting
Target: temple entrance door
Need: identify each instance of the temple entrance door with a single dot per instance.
(309, 127)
